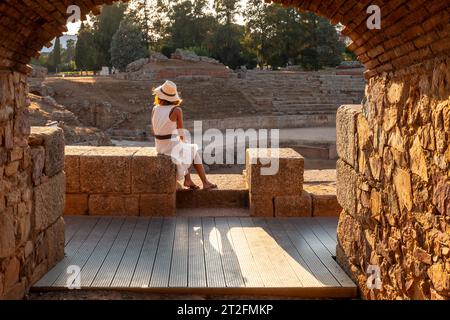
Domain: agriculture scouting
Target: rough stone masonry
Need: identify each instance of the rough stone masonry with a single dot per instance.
(394, 183)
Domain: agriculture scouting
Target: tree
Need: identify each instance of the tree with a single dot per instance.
(127, 45)
(281, 36)
(189, 24)
(70, 50)
(224, 44)
(140, 12)
(85, 49)
(226, 10)
(105, 26)
(54, 59)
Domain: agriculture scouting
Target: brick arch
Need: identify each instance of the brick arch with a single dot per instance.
(412, 30)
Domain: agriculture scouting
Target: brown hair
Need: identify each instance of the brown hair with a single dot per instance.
(162, 102)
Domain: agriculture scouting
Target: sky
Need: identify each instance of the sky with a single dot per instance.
(73, 27)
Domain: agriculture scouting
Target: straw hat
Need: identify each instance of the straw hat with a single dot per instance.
(167, 91)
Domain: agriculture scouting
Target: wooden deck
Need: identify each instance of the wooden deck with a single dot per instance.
(201, 255)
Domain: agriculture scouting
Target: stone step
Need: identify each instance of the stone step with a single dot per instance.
(232, 192)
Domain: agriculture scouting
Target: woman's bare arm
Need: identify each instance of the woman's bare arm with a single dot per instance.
(177, 116)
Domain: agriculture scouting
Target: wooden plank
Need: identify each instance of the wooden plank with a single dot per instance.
(330, 225)
(179, 267)
(95, 261)
(215, 277)
(161, 268)
(108, 270)
(196, 259)
(324, 255)
(73, 224)
(81, 235)
(294, 259)
(143, 272)
(125, 272)
(230, 263)
(322, 235)
(277, 272)
(84, 252)
(249, 267)
(315, 265)
(71, 248)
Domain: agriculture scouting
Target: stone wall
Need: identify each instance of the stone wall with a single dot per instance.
(119, 181)
(394, 183)
(31, 227)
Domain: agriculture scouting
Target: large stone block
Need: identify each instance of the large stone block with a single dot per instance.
(54, 239)
(274, 172)
(53, 142)
(114, 205)
(106, 170)
(76, 204)
(38, 160)
(326, 205)
(152, 173)
(346, 141)
(346, 186)
(157, 204)
(49, 200)
(293, 206)
(72, 170)
(261, 205)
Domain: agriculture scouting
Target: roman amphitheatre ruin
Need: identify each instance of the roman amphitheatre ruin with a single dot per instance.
(363, 182)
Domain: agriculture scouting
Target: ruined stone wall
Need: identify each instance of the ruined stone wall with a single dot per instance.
(128, 181)
(31, 227)
(394, 183)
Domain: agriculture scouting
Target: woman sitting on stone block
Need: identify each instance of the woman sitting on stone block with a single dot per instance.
(170, 138)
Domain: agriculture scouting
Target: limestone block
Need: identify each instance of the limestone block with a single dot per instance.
(54, 239)
(76, 204)
(7, 237)
(53, 142)
(325, 205)
(72, 170)
(106, 170)
(49, 200)
(157, 204)
(346, 143)
(114, 205)
(293, 206)
(38, 160)
(261, 205)
(346, 186)
(152, 173)
(284, 171)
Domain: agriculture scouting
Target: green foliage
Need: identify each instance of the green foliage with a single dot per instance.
(199, 50)
(281, 36)
(85, 50)
(105, 26)
(127, 45)
(272, 36)
(224, 44)
(54, 58)
(226, 10)
(189, 24)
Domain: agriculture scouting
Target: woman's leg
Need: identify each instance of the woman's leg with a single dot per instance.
(201, 173)
(188, 183)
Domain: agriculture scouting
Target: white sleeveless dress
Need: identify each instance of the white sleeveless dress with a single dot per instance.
(183, 154)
